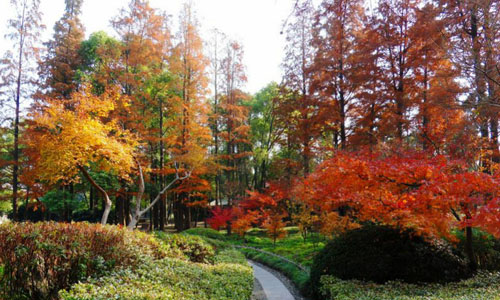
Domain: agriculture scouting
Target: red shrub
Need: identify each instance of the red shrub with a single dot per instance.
(220, 217)
(39, 259)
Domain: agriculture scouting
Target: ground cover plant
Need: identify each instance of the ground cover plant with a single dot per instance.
(483, 286)
(228, 278)
(45, 260)
(201, 273)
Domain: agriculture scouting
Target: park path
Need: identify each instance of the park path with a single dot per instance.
(273, 288)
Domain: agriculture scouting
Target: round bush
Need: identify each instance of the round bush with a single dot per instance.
(193, 248)
(381, 253)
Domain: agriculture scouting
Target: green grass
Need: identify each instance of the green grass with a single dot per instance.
(292, 246)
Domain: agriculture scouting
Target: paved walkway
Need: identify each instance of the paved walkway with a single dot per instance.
(272, 286)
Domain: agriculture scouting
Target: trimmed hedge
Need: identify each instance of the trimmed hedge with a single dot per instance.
(39, 259)
(230, 278)
(483, 286)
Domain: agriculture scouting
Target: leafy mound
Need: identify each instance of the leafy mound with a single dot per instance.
(381, 254)
(193, 248)
(229, 278)
(483, 286)
(39, 259)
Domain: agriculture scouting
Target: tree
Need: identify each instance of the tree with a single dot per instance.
(58, 69)
(302, 108)
(189, 136)
(275, 227)
(432, 195)
(138, 212)
(220, 217)
(471, 28)
(216, 46)
(264, 132)
(25, 30)
(140, 66)
(335, 34)
(70, 142)
(441, 121)
(397, 60)
(234, 127)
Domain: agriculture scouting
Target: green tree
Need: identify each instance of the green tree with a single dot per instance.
(264, 132)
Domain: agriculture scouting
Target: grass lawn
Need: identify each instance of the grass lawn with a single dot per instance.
(292, 247)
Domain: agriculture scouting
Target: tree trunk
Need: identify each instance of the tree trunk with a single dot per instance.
(138, 212)
(469, 249)
(107, 201)
(15, 171)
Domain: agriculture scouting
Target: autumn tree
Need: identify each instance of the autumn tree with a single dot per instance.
(301, 108)
(69, 143)
(58, 69)
(368, 109)
(441, 121)
(397, 60)
(188, 136)
(215, 48)
(471, 27)
(234, 131)
(140, 66)
(17, 71)
(335, 65)
(432, 195)
(268, 209)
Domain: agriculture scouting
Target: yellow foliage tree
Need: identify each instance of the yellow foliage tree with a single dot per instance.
(71, 142)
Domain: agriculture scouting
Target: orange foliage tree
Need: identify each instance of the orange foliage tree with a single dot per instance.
(268, 209)
(189, 135)
(433, 195)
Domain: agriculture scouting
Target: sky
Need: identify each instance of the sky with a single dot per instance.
(256, 24)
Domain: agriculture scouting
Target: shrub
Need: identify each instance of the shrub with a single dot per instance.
(381, 253)
(192, 247)
(171, 279)
(483, 286)
(39, 259)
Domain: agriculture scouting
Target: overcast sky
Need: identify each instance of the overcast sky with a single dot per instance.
(255, 23)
